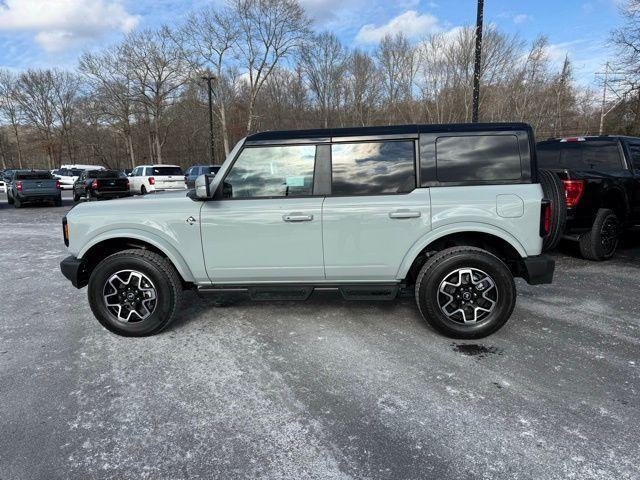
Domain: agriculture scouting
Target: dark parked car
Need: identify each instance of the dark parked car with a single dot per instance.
(101, 184)
(601, 180)
(192, 173)
(27, 186)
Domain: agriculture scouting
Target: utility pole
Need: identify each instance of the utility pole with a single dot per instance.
(604, 98)
(477, 65)
(209, 79)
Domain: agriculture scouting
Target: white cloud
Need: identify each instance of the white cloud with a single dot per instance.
(410, 23)
(59, 24)
(521, 18)
(323, 11)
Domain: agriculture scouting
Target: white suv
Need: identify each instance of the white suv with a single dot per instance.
(156, 178)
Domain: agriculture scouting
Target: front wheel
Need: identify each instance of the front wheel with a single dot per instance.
(134, 293)
(465, 292)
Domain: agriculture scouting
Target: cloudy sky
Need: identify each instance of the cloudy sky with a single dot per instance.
(42, 33)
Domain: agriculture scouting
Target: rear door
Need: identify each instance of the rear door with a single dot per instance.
(375, 212)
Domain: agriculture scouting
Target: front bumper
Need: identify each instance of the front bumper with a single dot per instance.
(538, 270)
(75, 271)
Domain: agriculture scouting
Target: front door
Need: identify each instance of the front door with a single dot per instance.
(266, 227)
(375, 212)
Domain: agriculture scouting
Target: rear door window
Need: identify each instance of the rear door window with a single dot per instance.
(478, 158)
(373, 168)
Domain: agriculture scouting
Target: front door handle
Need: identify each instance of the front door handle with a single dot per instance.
(404, 214)
(297, 217)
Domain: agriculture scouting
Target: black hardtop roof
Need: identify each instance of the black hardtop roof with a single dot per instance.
(385, 130)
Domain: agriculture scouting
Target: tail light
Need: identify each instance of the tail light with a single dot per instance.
(19, 186)
(545, 218)
(94, 184)
(152, 181)
(573, 191)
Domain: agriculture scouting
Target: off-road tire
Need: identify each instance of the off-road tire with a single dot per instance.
(439, 267)
(593, 245)
(554, 192)
(164, 277)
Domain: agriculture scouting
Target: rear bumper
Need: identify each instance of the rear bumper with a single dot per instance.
(112, 194)
(75, 271)
(538, 270)
(38, 196)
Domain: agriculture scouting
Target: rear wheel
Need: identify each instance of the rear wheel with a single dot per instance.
(76, 197)
(58, 201)
(9, 199)
(601, 242)
(134, 293)
(465, 292)
(17, 202)
(554, 192)
(143, 190)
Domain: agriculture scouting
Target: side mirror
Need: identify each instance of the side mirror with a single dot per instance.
(203, 188)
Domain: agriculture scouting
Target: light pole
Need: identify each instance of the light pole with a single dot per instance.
(477, 65)
(209, 79)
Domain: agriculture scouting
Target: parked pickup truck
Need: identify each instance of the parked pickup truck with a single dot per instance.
(28, 186)
(601, 179)
(451, 213)
(101, 184)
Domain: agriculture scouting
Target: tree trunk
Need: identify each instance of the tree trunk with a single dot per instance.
(224, 128)
(18, 146)
(157, 144)
(130, 149)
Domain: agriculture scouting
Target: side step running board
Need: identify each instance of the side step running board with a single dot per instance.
(303, 292)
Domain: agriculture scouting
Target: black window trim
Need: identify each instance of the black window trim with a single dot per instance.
(378, 139)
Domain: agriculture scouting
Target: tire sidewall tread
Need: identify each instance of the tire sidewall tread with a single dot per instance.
(431, 313)
(156, 265)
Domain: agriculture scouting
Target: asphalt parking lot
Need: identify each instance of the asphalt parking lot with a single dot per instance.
(320, 389)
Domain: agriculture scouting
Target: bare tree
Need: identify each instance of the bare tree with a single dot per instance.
(113, 91)
(324, 60)
(36, 97)
(270, 30)
(159, 71)
(207, 39)
(362, 87)
(10, 108)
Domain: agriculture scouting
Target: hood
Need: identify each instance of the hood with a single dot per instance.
(140, 205)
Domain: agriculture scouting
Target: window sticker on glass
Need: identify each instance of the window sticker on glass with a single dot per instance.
(295, 181)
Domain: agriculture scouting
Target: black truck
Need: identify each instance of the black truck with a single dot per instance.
(101, 184)
(600, 176)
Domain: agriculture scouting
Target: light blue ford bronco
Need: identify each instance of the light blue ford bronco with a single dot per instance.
(450, 212)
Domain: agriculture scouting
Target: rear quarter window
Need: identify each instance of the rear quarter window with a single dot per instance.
(478, 158)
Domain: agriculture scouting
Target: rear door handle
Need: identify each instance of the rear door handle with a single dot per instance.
(404, 214)
(297, 217)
